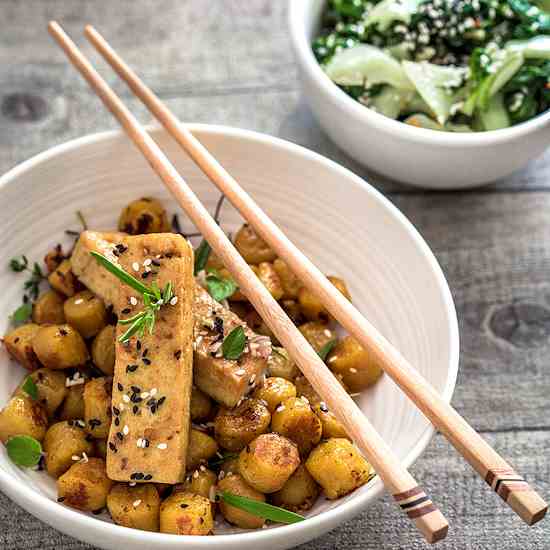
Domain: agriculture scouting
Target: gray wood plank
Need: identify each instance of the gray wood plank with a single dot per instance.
(495, 252)
(227, 53)
(479, 520)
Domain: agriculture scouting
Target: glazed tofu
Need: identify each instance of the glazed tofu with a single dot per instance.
(226, 381)
(153, 373)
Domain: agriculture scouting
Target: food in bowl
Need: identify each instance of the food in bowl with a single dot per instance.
(451, 65)
(156, 391)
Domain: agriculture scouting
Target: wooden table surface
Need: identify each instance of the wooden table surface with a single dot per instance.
(229, 62)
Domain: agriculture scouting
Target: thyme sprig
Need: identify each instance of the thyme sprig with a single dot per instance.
(31, 288)
(153, 299)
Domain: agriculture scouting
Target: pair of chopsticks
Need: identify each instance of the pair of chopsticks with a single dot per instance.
(510, 486)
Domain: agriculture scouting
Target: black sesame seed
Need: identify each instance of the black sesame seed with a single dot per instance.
(161, 401)
(146, 442)
(63, 332)
(120, 387)
(138, 345)
(323, 407)
(148, 477)
(135, 389)
(117, 421)
(97, 512)
(126, 310)
(153, 409)
(146, 361)
(120, 436)
(135, 409)
(60, 499)
(131, 368)
(156, 263)
(116, 412)
(177, 354)
(145, 352)
(145, 274)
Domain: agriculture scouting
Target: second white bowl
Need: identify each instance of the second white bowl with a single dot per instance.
(416, 156)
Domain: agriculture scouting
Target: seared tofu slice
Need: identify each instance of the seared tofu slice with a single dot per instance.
(227, 382)
(153, 373)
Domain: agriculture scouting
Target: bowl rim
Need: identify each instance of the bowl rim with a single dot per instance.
(308, 63)
(45, 508)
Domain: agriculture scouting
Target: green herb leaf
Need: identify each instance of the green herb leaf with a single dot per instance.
(327, 348)
(220, 288)
(19, 265)
(29, 387)
(260, 509)
(201, 256)
(22, 313)
(125, 277)
(24, 450)
(233, 344)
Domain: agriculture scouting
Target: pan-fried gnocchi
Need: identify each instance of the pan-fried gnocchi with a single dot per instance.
(251, 425)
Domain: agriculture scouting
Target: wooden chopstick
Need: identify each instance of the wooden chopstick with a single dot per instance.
(510, 486)
(428, 519)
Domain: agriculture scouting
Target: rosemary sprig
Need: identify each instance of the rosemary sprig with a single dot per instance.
(153, 299)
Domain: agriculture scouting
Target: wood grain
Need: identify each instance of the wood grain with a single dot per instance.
(493, 244)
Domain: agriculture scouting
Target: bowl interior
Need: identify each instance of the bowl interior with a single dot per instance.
(343, 224)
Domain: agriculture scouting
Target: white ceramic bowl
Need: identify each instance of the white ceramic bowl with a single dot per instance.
(335, 217)
(416, 156)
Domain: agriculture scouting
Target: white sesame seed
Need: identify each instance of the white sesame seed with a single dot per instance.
(147, 262)
(202, 468)
(240, 372)
(305, 399)
(144, 394)
(174, 301)
(126, 430)
(121, 406)
(196, 474)
(132, 483)
(135, 266)
(162, 446)
(125, 398)
(78, 301)
(80, 423)
(84, 458)
(153, 392)
(327, 333)
(353, 370)
(221, 475)
(133, 300)
(75, 457)
(280, 408)
(136, 503)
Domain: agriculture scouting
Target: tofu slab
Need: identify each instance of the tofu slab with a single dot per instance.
(153, 373)
(227, 382)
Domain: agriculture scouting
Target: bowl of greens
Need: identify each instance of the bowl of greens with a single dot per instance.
(434, 93)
